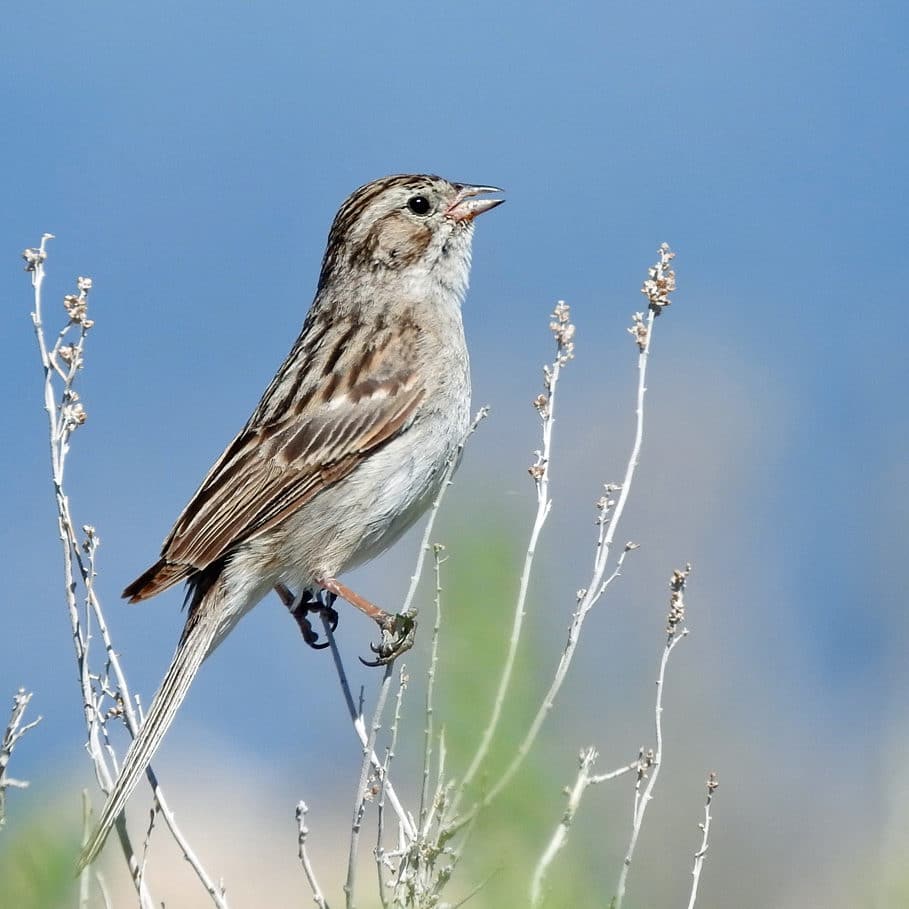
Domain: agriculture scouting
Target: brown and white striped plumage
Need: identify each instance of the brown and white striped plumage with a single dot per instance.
(347, 445)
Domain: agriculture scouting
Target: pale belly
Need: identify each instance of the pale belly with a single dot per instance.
(361, 516)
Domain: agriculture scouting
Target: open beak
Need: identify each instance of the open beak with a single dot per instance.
(465, 207)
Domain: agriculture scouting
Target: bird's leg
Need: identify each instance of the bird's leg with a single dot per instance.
(300, 607)
(398, 631)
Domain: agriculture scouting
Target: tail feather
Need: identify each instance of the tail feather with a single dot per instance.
(192, 650)
(160, 576)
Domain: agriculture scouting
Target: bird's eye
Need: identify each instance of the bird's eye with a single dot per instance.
(419, 205)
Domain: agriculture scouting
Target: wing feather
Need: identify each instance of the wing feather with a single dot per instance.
(353, 403)
(273, 473)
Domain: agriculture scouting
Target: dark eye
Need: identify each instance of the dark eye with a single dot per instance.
(419, 205)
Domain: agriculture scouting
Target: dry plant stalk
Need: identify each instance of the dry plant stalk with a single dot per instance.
(585, 778)
(648, 760)
(61, 363)
(302, 833)
(675, 632)
(661, 279)
(15, 730)
(713, 784)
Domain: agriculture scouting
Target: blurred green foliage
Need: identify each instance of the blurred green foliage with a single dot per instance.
(37, 864)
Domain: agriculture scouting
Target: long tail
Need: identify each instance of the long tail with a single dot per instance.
(193, 648)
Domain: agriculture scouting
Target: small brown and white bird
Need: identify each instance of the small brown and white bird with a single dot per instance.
(344, 452)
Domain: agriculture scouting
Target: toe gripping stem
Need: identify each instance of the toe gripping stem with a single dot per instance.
(321, 602)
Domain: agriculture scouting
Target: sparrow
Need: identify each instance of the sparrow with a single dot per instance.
(346, 449)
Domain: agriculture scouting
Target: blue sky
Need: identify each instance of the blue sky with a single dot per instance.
(190, 157)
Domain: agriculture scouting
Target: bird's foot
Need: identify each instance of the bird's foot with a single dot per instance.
(398, 633)
(301, 606)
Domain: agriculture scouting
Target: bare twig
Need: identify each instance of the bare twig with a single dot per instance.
(712, 786)
(437, 551)
(675, 632)
(380, 807)
(472, 892)
(584, 779)
(586, 760)
(102, 887)
(360, 729)
(425, 547)
(15, 730)
(84, 874)
(563, 331)
(660, 282)
(62, 362)
(302, 833)
(360, 803)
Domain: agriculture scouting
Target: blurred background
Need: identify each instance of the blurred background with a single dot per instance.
(190, 157)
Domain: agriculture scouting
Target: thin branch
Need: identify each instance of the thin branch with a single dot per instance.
(84, 874)
(658, 286)
(563, 332)
(360, 804)
(102, 887)
(302, 833)
(380, 808)
(675, 632)
(63, 419)
(437, 551)
(360, 729)
(15, 730)
(472, 893)
(584, 779)
(712, 786)
(425, 547)
(586, 760)
(614, 774)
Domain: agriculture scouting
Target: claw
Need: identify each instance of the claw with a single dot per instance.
(307, 602)
(309, 635)
(327, 611)
(398, 633)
